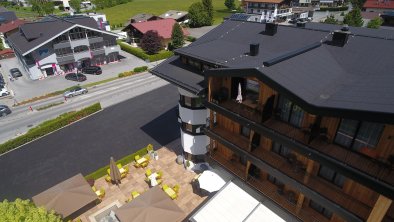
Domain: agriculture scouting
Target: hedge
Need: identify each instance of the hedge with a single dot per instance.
(48, 127)
(125, 160)
(163, 54)
(191, 38)
(332, 9)
(140, 69)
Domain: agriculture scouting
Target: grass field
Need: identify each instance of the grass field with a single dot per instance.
(120, 14)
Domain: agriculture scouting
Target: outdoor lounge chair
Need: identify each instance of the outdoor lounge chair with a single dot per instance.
(169, 191)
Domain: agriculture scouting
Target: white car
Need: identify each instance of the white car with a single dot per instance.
(4, 92)
(75, 92)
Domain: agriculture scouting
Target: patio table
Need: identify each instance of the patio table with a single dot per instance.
(122, 170)
(152, 178)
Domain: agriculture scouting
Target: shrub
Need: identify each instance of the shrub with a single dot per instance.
(25, 210)
(332, 9)
(191, 38)
(140, 69)
(151, 42)
(125, 74)
(48, 127)
(141, 54)
(177, 36)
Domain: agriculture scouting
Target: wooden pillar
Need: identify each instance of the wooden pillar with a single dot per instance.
(300, 201)
(309, 169)
(379, 210)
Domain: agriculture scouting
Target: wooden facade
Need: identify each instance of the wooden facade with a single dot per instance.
(356, 198)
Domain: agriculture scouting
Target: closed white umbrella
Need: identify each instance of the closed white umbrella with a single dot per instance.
(210, 181)
(239, 96)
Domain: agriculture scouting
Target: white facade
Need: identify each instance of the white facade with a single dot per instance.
(101, 20)
(268, 12)
(193, 144)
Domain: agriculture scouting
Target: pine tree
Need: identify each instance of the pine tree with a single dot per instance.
(151, 42)
(209, 9)
(331, 20)
(197, 15)
(230, 4)
(353, 18)
(177, 37)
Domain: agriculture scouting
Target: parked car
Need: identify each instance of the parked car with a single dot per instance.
(15, 73)
(4, 110)
(75, 92)
(4, 92)
(76, 77)
(96, 70)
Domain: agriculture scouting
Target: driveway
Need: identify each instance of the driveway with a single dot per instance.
(88, 144)
(25, 88)
(198, 32)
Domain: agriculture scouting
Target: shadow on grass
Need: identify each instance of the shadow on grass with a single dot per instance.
(165, 128)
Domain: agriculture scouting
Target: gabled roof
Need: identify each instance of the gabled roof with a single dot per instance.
(265, 1)
(9, 26)
(162, 26)
(174, 14)
(356, 78)
(142, 17)
(34, 35)
(7, 16)
(379, 4)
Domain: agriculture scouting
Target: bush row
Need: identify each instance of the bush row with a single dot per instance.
(332, 9)
(48, 127)
(135, 70)
(141, 54)
(125, 160)
(191, 38)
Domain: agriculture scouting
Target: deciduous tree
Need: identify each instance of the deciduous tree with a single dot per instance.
(197, 15)
(375, 23)
(331, 20)
(24, 210)
(76, 5)
(353, 18)
(230, 4)
(209, 9)
(151, 42)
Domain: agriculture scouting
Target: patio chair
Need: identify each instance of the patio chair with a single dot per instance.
(108, 179)
(137, 157)
(159, 181)
(144, 164)
(159, 174)
(176, 188)
(165, 186)
(126, 169)
(135, 194)
(119, 165)
(108, 171)
(148, 172)
(102, 193)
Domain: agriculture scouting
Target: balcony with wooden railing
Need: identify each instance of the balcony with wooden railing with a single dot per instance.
(371, 166)
(296, 170)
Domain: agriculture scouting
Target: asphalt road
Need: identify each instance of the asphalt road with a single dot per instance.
(87, 145)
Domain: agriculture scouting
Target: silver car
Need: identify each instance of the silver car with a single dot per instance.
(75, 92)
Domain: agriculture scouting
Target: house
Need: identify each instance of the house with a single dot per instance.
(7, 16)
(303, 115)
(179, 16)
(163, 27)
(100, 18)
(268, 10)
(378, 6)
(57, 45)
(143, 18)
(9, 28)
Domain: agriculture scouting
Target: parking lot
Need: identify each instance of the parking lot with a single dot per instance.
(24, 88)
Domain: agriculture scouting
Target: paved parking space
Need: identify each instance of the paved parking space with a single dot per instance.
(25, 88)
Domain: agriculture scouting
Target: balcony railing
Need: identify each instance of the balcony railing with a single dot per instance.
(269, 190)
(367, 171)
(296, 170)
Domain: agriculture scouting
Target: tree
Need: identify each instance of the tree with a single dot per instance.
(331, 20)
(353, 18)
(375, 23)
(48, 7)
(24, 210)
(42, 7)
(209, 9)
(230, 4)
(197, 15)
(151, 42)
(177, 37)
(76, 5)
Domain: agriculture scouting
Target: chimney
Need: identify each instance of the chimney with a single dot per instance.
(340, 37)
(254, 49)
(271, 28)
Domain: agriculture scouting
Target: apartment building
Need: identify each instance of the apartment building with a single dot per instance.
(55, 45)
(268, 10)
(304, 115)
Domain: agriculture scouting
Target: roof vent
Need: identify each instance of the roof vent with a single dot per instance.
(340, 37)
(254, 49)
(271, 28)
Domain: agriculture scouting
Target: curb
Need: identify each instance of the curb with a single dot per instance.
(16, 148)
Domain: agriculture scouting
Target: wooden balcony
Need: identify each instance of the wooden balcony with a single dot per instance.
(233, 166)
(358, 161)
(245, 109)
(236, 139)
(325, 188)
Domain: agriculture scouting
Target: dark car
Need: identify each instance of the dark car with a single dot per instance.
(15, 73)
(4, 110)
(76, 77)
(96, 70)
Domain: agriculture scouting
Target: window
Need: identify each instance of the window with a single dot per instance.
(191, 102)
(188, 101)
(81, 48)
(112, 42)
(320, 209)
(355, 134)
(275, 181)
(252, 90)
(97, 45)
(192, 129)
(63, 51)
(62, 38)
(245, 131)
(289, 112)
(331, 176)
(77, 33)
(280, 149)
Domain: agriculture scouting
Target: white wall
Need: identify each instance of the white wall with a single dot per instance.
(195, 117)
(196, 145)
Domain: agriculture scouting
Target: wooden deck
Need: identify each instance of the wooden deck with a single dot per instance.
(243, 110)
(359, 161)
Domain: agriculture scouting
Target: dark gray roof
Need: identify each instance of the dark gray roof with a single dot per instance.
(7, 16)
(2, 9)
(36, 33)
(186, 77)
(358, 76)
(141, 17)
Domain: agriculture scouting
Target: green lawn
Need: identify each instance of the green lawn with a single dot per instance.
(121, 13)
